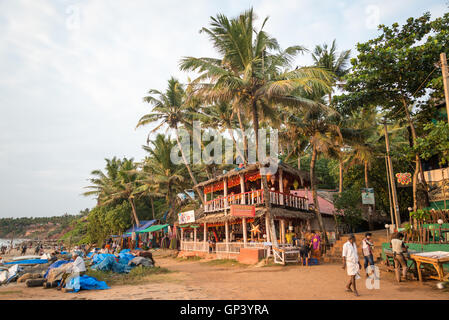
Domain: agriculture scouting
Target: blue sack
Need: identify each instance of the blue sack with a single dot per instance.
(86, 282)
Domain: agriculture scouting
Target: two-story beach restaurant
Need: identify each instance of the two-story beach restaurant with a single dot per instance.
(234, 215)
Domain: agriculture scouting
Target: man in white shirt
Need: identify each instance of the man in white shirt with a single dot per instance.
(398, 247)
(78, 264)
(351, 263)
(78, 268)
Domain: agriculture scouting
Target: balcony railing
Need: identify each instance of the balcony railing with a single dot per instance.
(256, 198)
(219, 247)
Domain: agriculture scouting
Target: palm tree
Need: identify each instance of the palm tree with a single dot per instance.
(171, 109)
(117, 185)
(336, 63)
(319, 126)
(253, 74)
(222, 116)
(101, 180)
(161, 174)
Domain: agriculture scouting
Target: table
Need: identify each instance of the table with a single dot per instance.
(436, 259)
(407, 255)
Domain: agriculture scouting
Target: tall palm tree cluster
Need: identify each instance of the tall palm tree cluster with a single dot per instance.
(252, 84)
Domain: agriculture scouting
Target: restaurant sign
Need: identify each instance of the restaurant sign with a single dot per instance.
(367, 196)
(186, 217)
(241, 210)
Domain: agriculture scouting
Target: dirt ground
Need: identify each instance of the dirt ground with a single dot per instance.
(198, 279)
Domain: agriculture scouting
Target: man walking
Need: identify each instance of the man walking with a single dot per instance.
(367, 249)
(351, 263)
(398, 247)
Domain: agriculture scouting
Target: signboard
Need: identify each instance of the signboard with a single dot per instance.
(186, 217)
(367, 195)
(242, 210)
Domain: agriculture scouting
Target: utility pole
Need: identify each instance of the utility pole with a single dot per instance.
(389, 190)
(393, 184)
(445, 81)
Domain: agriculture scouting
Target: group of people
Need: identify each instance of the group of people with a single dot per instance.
(309, 245)
(352, 264)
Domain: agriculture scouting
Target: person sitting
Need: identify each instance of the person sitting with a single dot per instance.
(77, 269)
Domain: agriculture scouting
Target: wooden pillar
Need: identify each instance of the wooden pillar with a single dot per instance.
(282, 230)
(244, 232)
(194, 234)
(242, 188)
(227, 235)
(281, 186)
(225, 192)
(205, 232)
(267, 227)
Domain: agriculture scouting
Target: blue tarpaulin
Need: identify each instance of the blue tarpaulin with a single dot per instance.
(110, 264)
(56, 265)
(29, 261)
(85, 282)
(100, 257)
(126, 256)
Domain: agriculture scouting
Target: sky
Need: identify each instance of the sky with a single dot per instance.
(73, 75)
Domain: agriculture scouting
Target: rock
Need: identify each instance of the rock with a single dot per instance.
(35, 282)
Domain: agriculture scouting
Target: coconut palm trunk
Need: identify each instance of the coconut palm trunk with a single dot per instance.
(133, 208)
(186, 163)
(236, 146)
(340, 171)
(418, 168)
(152, 207)
(315, 194)
(245, 139)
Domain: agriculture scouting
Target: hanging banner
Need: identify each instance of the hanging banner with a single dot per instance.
(186, 217)
(241, 210)
(367, 195)
(233, 181)
(252, 176)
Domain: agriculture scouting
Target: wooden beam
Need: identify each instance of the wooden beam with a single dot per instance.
(242, 188)
(225, 191)
(281, 186)
(227, 235)
(244, 232)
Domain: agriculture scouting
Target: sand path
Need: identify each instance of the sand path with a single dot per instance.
(194, 280)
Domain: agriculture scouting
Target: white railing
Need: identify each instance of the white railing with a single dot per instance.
(194, 246)
(256, 198)
(228, 247)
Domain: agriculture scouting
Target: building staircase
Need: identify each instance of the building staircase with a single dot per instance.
(333, 255)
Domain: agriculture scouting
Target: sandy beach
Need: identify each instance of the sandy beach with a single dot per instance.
(200, 279)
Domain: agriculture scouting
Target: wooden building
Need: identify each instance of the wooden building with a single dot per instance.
(222, 220)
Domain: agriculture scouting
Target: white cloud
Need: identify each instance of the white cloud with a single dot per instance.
(74, 74)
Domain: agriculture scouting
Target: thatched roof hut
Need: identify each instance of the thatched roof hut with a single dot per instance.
(302, 175)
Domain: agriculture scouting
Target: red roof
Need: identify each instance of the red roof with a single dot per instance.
(326, 206)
